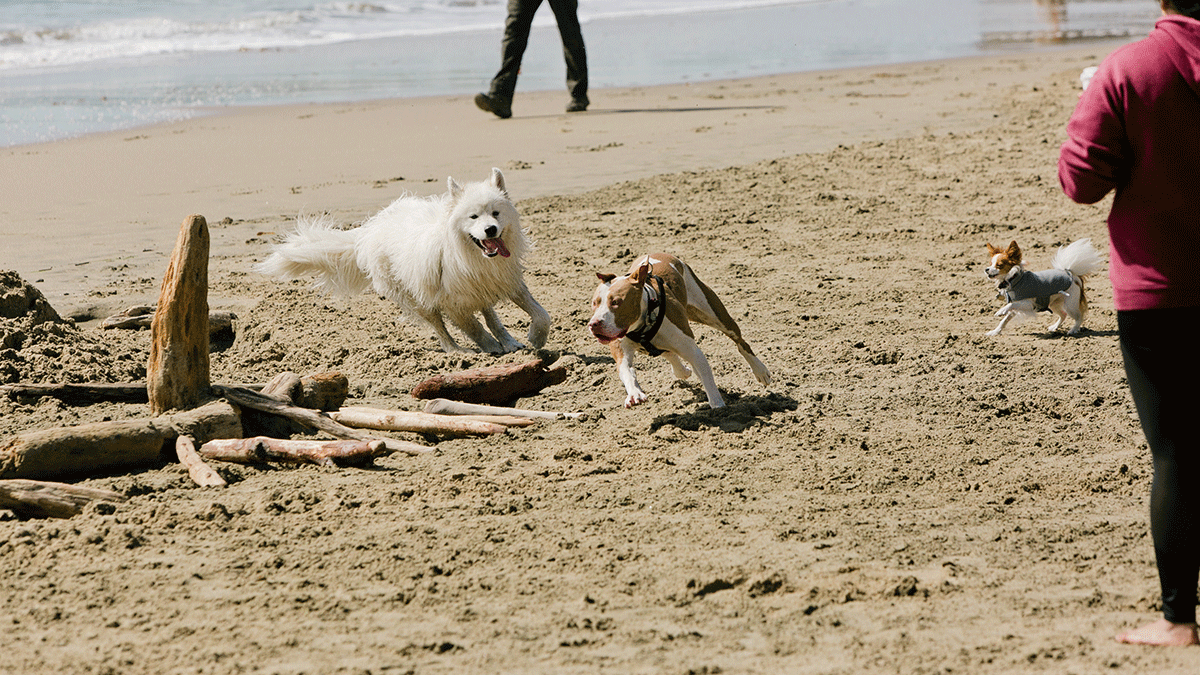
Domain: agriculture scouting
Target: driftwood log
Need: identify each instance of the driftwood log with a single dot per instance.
(323, 391)
(177, 374)
(92, 449)
(506, 420)
(40, 499)
(201, 473)
(325, 453)
(320, 391)
(310, 418)
(416, 422)
(220, 321)
(502, 384)
(80, 394)
(441, 406)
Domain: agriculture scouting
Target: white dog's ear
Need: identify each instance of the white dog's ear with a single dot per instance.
(454, 187)
(498, 181)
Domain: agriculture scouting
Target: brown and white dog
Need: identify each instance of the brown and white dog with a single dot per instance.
(648, 310)
(1058, 290)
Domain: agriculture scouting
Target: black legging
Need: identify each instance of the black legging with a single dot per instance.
(1162, 365)
(516, 36)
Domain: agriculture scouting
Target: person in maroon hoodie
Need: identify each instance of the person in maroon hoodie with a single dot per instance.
(1136, 131)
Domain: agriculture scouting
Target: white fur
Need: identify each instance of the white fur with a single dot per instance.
(422, 253)
(1080, 259)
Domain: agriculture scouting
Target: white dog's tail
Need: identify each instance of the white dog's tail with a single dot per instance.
(1078, 258)
(320, 249)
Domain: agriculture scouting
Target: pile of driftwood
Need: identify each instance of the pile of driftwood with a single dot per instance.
(200, 421)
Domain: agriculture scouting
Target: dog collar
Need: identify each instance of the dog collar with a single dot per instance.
(649, 329)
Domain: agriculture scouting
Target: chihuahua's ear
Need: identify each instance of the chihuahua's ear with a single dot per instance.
(605, 278)
(1014, 251)
(992, 250)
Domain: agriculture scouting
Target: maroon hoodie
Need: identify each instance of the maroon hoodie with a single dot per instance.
(1136, 130)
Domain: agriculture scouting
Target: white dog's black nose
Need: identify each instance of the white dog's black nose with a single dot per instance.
(491, 231)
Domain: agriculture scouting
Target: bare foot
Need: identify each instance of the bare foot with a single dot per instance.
(1161, 633)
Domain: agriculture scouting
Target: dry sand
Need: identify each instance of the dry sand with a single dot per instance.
(909, 496)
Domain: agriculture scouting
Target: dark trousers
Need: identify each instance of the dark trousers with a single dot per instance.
(1163, 369)
(516, 37)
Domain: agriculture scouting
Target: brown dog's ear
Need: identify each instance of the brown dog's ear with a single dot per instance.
(642, 273)
(605, 278)
(1014, 251)
(992, 250)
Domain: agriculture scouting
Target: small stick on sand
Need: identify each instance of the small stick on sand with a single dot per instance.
(442, 406)
(323, 453)
(41, 499)
(201, 473)
(417, 422)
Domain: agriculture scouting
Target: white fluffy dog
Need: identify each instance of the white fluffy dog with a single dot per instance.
(443, 257)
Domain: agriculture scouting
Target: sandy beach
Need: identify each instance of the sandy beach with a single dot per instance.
(908, 496)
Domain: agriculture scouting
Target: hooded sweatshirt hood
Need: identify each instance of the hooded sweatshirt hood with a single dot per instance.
(1185, 33)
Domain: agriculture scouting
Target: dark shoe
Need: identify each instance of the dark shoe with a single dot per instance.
(488, 104)
(577, 105)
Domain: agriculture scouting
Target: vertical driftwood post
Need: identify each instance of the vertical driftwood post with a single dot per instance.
(177, 376)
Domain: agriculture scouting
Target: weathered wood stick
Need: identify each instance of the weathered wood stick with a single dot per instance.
(80, 394)
(506, 420)
(441, 406)
(90, 449)
(310, 418)
(87, 393)
(39, 499)
(177, 373)
(201, 473)
(492, 384)
(324, 453)
(417, 422)
(219, 320)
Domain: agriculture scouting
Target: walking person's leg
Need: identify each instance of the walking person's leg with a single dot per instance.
(566, 13)
(1161, 368)
(499, 98)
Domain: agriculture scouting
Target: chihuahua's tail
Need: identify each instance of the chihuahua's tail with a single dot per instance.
(1079, 258)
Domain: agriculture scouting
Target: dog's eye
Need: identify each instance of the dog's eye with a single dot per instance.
(495, 214)
(474, 216)
(614, 303)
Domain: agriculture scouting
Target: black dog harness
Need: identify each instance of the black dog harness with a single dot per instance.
(649, 329)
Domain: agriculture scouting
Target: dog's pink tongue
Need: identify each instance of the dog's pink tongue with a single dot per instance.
(494, 246)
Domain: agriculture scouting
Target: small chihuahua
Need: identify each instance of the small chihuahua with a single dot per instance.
(1058, 290)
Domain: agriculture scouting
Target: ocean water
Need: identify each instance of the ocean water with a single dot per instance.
(71, 67)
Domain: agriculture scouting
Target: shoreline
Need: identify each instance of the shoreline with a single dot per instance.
(119, 196)
(66, 101)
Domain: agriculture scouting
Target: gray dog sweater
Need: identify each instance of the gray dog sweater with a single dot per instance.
(1037, 285)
